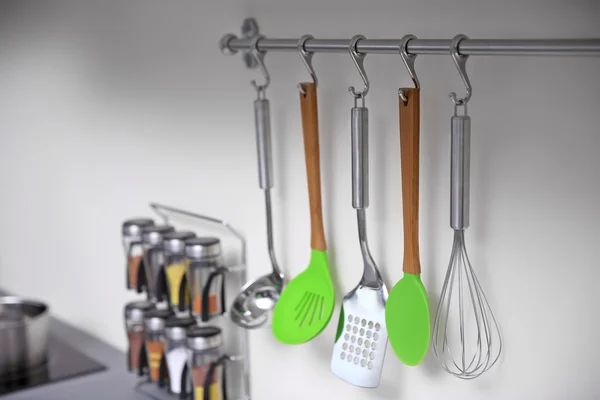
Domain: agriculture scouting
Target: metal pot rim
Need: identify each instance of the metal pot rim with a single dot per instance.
(41, 311)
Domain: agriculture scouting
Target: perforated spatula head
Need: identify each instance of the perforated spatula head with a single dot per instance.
(361, 339)
(306, 304)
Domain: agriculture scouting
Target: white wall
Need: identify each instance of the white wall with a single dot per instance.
(106, 106)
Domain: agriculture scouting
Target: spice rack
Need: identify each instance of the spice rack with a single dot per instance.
(236, 342)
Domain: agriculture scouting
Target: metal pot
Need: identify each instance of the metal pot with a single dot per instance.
(23, 334)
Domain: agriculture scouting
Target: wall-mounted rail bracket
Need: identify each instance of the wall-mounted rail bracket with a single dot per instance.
(249, 31)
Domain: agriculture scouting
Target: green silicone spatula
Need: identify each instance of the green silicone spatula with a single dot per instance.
(407, 308)
(306, 304)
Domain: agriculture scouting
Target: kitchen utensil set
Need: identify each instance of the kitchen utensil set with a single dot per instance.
(183, 274)
(368, 316)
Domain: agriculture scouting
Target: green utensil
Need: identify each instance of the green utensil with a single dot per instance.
(306, 304)
(407, 308)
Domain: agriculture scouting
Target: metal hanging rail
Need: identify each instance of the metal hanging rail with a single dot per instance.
(231, 44)
(470, 47)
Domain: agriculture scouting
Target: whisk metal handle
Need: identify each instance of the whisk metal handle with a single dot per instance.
(460, 165)
(360, 157)
(263, 143)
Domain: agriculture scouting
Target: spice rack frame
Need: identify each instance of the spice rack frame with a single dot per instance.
(149, 388)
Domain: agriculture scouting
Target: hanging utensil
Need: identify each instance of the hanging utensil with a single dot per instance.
(361, 338)
(407, 310)
(306, 305)
(469, 343)
(257, 298)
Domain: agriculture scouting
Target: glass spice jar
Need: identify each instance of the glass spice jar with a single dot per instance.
(134, 325)
(206, 362)
(154, 323)
(152, 238)
(131, 233)
(176, 354)
(205, 277)
(175, 268)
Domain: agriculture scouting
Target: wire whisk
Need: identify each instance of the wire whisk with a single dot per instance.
(475, 333)
(467, 343)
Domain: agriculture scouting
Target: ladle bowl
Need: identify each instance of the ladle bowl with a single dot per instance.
(253, 305)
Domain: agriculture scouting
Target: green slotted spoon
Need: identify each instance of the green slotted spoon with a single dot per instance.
(407, 308)
(306, 304)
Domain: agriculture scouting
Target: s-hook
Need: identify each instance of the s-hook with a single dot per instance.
(460, 60)
(359, 59)
(260, 59)
(306, 57)
(409, 62)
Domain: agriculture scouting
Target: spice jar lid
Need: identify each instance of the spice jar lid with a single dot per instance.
(154, 234)
(134, 227)
(154, 320)
(137, 310)
(176, 327)
(204, 337)
(174, 242)
(203, 248)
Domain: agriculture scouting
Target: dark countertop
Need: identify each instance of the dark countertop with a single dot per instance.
(115, 382)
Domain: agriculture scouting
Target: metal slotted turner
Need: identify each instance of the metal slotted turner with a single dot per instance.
(361, 338)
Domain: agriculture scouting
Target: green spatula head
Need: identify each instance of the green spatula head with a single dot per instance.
(306, 304)
(407, 319)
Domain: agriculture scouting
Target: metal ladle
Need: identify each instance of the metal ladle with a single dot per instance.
(257, 298)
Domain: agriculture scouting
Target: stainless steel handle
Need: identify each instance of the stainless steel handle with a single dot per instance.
(263, 143)
(460, 165)
(360, 157)
(262, 120)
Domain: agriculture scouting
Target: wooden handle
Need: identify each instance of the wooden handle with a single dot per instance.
(409, 154)
(310, 127)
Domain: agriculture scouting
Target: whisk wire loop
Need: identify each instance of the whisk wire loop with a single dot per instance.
(478, 341)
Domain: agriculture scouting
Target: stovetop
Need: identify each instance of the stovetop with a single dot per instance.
(64, 362)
